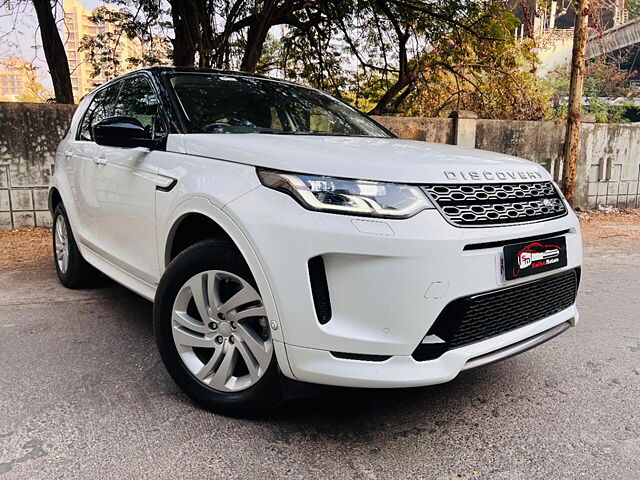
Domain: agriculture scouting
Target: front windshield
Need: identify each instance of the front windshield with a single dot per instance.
(223, 103)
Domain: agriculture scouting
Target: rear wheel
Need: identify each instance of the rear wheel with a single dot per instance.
(213, 333)
(73, 270)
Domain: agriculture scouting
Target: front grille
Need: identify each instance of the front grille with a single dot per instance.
(479, 317)
(496, 204)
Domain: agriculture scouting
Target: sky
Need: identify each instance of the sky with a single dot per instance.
(19, 36)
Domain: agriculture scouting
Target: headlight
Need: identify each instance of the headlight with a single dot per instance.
(352, 197)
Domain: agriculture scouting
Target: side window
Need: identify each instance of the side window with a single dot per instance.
(138, 100)
(101, 107)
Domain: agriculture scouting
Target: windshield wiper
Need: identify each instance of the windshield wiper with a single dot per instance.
(273, 131)
(322, 133)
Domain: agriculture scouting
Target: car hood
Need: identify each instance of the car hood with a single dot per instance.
(382, 159)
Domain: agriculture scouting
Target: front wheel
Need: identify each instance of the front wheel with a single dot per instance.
(213, 333)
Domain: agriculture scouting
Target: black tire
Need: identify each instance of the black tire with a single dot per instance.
(211, 254)
(79, 273)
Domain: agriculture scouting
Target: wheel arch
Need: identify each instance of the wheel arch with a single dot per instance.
(54, 199)
(214, 219)
(189, 229)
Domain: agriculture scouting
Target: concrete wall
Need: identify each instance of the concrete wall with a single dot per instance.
(608, 170)
(610, 159)
(29, 135)
(438, 130)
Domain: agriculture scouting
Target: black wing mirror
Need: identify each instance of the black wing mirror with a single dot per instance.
(125, 132)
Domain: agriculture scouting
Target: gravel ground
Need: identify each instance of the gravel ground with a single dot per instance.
(24, 248)
(615, 228)
(84, 395)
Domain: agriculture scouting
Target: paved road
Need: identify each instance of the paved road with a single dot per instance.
(83, 394)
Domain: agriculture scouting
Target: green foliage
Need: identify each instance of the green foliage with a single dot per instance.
(603, 83)
(493, 78)
(35, 92)
(421, 58)
(139, 22)
(413, 57)
(633, 6)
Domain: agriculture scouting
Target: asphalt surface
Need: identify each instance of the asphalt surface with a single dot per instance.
(83, 394)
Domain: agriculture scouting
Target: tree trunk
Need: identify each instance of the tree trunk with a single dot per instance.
(576, 87)
(186, 24)
(401, 88)
(406, 75)
(220, 56)
(256, 37)
(54, 52)
(255, 41)
(405, 83)
(205, 38)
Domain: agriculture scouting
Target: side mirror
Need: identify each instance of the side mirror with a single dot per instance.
(125, 132)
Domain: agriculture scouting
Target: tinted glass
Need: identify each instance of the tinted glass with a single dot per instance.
(101, 107)
(218, 103)
(138, 100)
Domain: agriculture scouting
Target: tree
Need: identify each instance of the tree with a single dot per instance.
(376, 53)
(387, 56)
(35, 92)
(222, 32)
(633, 7)
(602, 81)
(300, 14)
(54, 51)
(494, 80)
(140, 21)
(576, 84)
(190, 21)
(461, 53)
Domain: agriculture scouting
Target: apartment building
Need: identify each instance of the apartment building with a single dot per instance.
(77, 22)
(15, 77)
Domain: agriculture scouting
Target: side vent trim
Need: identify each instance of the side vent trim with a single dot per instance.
(167, 188)
(320, 289)
(361, 357)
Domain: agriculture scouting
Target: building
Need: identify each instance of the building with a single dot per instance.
(550, 17)
(16, 75)
(78, 24)
(551, 24)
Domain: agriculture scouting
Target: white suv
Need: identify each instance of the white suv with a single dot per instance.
(283, 234)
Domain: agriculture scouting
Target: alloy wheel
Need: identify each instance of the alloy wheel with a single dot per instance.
(221, 332)
(62, 244)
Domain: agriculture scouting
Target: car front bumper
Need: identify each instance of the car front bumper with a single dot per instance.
(388, 281)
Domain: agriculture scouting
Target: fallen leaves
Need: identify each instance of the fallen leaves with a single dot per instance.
(25, 248)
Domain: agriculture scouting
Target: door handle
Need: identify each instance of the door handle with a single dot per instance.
(100, 161)
(68, 155)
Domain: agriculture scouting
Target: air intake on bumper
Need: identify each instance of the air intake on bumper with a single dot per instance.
(320, 289)
(479, 317)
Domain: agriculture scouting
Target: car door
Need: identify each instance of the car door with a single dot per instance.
(84, 162)
(125, 187)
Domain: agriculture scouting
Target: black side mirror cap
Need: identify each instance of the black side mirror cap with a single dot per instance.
(125, 132)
